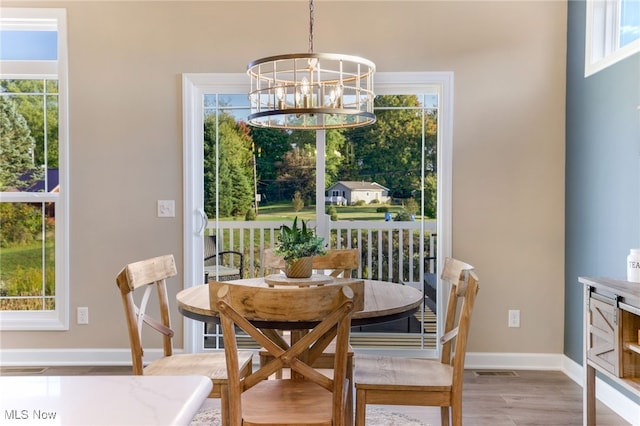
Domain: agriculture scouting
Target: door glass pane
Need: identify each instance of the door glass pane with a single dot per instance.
(380, 197)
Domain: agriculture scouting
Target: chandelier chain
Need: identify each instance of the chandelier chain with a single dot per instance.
(311, 8)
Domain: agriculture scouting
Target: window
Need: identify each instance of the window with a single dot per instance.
(612, 32)
(33, 164)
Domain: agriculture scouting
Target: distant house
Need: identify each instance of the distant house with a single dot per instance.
(49, 182)
(52, 182)
(343, 193)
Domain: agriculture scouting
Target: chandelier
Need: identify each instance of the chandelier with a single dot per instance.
(311, 90)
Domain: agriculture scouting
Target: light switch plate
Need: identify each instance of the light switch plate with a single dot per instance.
(166, 208)
(514, 318)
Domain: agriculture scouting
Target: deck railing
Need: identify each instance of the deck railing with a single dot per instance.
(390, 251)
(386, 248)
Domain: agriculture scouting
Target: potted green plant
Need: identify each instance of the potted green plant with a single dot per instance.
(298, 245)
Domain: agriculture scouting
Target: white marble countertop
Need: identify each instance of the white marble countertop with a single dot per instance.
(101, 400)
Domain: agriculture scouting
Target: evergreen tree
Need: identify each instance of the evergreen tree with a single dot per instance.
(16, 149)
(235, 167)
(30, 103)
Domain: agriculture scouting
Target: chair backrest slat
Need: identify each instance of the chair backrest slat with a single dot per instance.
(210, 246)
(339, 262)
(271, 262)
(342, 262)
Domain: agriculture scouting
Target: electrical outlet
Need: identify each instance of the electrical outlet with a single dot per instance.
(514, 318)
(82, 315)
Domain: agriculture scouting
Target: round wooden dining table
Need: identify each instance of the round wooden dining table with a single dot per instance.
(383, 301)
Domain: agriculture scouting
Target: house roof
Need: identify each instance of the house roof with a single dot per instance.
(361, 185)
(52, 182)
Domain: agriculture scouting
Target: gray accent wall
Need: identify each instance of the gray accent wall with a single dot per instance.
(602, 172)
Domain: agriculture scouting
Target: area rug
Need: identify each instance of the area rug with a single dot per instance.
(375, 417)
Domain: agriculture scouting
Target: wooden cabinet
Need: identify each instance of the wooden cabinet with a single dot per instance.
(611, 336)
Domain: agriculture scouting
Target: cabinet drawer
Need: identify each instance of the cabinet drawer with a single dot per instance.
(603, 346)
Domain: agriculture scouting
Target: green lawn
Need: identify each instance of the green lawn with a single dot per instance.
(21, 270)
(25, 257)
(284, 211)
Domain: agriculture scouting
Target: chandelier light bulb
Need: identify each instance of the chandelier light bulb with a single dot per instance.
(280, 96)
(304, 86)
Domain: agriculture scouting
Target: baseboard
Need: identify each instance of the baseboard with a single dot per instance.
(513, 361)
(607, 394)
(611, 397)
(71, 357)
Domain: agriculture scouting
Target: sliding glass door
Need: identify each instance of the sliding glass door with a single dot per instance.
(378, 188)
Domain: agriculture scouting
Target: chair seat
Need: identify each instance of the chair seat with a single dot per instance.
(212, 365)
(391, 373)
(425, 382)
(276, 402)
(223, 271)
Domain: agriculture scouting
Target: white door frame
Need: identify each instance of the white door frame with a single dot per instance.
(196, 85)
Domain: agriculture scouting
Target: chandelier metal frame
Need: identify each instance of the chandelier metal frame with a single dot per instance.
(311, 90)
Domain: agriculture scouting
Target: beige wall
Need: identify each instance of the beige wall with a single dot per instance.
(125, 65)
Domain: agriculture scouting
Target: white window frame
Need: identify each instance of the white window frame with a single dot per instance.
(45, 19)
(194, 86)
(603, 35)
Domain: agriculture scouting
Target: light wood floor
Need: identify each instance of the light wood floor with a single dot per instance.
(546, 398)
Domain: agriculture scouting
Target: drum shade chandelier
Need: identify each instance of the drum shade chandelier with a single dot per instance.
(311, 90)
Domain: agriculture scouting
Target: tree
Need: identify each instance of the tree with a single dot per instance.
(334, 145)
(430, 195)
(30, 97)
(297, 173)
(270, 147)
(334, 157)
(234, 163)
(389, 152)
(411, 206)
(21, 224)
(16, 148)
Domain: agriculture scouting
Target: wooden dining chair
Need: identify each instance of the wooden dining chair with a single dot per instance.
(153, 273)
(311, 399)
(271, 262)
(337, 263)
(425, 382)
(221, 265)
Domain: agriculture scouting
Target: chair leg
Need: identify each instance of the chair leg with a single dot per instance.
(456, 412)
(444, 416)
(349, 403)
(361, 407)
(224, 404)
